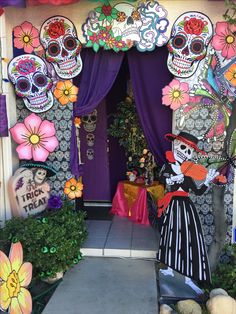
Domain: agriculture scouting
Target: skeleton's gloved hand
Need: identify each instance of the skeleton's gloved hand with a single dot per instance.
(175, 179)
(212, 173)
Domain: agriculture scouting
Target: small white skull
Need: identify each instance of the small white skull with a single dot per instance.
(40, 175)
(62, 47)
(90, 154)
(89, 121)
(190, 36)
(90, 139)
(29, 75)
(182, 151)
(127, 27)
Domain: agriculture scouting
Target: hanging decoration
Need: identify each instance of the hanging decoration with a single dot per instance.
(29, 75)
(15, 278)
(36, 138)
(26, 37)
(123, 25)
(65, 92)
(224, 39)
(154, 26)
(190, 36)
(77, 123)
(28, 188)
(59, 38)
(90, 121)
(3, 117)
(181, 222)
(73, 188)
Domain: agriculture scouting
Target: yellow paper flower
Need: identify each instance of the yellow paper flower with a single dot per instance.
(65, 92)
(230, 75)
(73, 188)
(14, 277)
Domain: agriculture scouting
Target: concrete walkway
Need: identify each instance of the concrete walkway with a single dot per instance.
(99, 285)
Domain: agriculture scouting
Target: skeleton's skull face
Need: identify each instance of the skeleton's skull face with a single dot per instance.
(128, 22)
(90, 154)
(62, 46)
(29, 75)
(40, 175)
(89, 121)
(90, 139)
(190, 36)
(182, 151)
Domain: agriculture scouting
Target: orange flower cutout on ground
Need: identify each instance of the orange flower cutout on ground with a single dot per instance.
(65, 92)
(14, 277)
(73, 188)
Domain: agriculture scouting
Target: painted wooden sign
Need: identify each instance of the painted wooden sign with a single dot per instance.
(29, 193)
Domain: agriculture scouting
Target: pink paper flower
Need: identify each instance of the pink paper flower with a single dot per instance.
(26, 37)
(36, 138)
(175, 94)
(225, 39)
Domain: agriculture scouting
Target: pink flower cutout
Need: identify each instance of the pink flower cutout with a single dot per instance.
(26, 36)
(225, 39)
(36, 138)
(175, 94)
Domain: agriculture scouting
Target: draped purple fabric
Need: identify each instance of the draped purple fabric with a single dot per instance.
(149, 74)
(16, 3)
(3, 117)
(98, 75)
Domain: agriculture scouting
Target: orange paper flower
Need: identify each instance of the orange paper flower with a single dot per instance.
(77, 122)
(73, 188)
(14, 277)
(230, 74)
(65, 92)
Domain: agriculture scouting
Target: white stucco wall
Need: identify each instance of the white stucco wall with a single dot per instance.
(77, 13)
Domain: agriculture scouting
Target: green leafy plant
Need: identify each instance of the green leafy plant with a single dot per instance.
(50, 242)
(230, 14)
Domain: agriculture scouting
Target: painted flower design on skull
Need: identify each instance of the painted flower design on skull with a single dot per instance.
(26, 37)
(224, 40)
(175, 94)
(15, 276)
(36, 138)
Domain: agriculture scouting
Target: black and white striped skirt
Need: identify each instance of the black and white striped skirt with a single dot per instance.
(181, 243)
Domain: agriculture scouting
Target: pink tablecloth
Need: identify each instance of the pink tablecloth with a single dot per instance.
(130, 201)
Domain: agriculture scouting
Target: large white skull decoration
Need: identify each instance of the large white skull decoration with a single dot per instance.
(190, 36)
(128, 22)
(62, 46)
(182, 151)
(89, 121)
(29, 75)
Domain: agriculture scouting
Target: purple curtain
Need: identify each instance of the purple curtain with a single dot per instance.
(16, 3)
(98, 75)
(3, 117)
(149, 74)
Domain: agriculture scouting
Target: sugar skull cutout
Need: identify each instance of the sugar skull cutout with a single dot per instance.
(29, 75)
(62, 47)
(128, 22)
(154, 26)
(190, 36)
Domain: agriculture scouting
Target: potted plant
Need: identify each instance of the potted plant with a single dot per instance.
(52, 241)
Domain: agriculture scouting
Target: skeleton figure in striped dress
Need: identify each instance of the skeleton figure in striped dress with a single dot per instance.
(182, 245)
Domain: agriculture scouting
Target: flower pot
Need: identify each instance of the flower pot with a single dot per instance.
(51, 280)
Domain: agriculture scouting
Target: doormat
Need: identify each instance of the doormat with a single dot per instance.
(98, 213)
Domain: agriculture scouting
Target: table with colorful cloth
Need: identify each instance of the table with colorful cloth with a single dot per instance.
(130, 200)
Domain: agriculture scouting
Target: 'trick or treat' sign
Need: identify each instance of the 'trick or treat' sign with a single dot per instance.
(29, 193)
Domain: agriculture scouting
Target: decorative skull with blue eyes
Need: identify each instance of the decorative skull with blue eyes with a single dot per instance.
(190, 36)
(29, 75)
(62, 47)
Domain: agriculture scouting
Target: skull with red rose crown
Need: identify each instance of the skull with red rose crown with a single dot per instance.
(62, 47)
(190, 36)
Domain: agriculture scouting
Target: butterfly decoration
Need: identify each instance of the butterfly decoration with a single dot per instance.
(225, 165)
(210, 93)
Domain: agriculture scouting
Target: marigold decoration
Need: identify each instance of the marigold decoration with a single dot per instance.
(65, 92)
(230, 74)
(175, 94)
(73, 188)
(225, 39)
(77, 122)
(26, 37)
(15, 276)
(36, 138)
